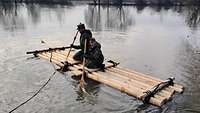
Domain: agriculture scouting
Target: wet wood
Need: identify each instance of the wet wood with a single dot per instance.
(125, 80)
(136, 77)
(141, 84)
(147, 79)
(123, 86)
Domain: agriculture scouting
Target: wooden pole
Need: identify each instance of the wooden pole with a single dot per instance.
(71, 44)
(60, 59)
(82, 81)
(47, 50)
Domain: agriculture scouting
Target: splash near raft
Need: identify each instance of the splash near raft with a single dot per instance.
(144, 87)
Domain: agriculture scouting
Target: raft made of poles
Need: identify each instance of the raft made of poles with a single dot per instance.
(144, 87)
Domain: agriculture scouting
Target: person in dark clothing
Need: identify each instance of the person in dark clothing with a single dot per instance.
(94, 57)
(85, 35)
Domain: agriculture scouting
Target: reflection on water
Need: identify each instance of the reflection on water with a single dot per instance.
(34, 11)
(98, 18)
(16, 16)
(92, 89)
(190, 69)
(9, 17)
(193, 17)
(161, 41)
(118, 18)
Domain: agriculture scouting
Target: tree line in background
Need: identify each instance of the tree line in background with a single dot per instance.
(115, 17)
(112, 2)
(149, 2)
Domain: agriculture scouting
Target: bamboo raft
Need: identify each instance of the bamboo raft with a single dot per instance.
(144, 87)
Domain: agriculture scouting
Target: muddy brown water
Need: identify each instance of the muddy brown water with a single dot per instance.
(162, 42)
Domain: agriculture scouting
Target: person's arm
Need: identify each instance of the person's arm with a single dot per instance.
(85, 36)
(75, 46)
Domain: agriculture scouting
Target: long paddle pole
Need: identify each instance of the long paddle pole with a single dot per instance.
(71, 47)
(82, 81)
(65, 67)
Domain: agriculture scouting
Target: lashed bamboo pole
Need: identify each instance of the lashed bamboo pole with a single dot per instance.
(134, 91)
(128, 81)
(61, 59)
(152, 80)
(157, 100)
(62, 56)
(139, 84)
(53, 60)
(143, 85)
(65, 53)
(136, 77)
(47, 55)
(177, 87)
(147, 76)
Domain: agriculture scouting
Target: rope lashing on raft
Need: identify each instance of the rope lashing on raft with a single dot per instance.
(65, 67)
(113, 62)
(38, 90)
(150, 93)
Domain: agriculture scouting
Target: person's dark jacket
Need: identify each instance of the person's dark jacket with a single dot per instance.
(86, 34)
(94, 55)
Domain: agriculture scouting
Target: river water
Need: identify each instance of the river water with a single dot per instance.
(162, 42)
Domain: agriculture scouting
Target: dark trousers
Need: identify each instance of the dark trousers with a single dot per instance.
(89, 62)
(92, 64)
(78, 56)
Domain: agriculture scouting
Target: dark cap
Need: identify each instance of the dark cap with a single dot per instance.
(80, 26)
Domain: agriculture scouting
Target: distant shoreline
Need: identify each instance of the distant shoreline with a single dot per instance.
(111, 2)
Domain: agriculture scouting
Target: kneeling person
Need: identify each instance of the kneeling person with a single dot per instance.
(94, 57)
(85, 35)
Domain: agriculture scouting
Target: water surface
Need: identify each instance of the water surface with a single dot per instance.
(162, 42)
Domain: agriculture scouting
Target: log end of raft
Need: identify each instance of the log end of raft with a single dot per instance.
(158, 101)
(178, 88)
